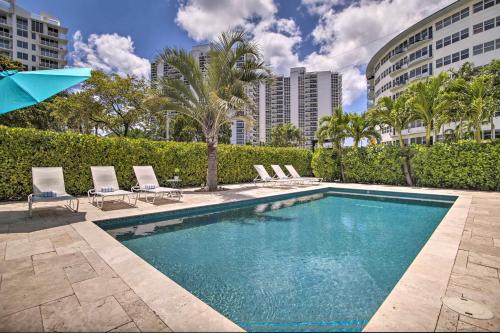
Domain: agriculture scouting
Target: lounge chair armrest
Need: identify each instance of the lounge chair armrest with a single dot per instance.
(135, 188)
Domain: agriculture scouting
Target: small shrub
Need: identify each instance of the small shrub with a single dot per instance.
(325, 165)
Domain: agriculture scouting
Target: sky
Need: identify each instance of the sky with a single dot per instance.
(124, 36)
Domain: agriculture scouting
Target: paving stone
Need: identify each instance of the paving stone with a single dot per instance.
(99, 287)
(99, 266)
(479, 270)
(496, 242)
(130, 327)
(43, 255)
(480, 283)
(447, 321)
(464, 327)
(25, 248)
(145, 319)
(472, 246)
(79, 272)
(30, 291)
(9, 266)
(58, 262)
(28, 320)
(461, 258)
(485, 260)
(67, 315)
(3, 245)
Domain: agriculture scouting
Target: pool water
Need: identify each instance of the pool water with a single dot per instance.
(320, 262)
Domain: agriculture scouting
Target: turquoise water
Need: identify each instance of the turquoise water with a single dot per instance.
(316, 263)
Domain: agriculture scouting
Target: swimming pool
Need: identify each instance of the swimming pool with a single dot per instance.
(316, 262)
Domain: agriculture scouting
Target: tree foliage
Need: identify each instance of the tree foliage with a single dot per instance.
(286, 135)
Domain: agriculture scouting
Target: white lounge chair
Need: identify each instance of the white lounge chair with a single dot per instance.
(296, 175)
(148, 183)
(106, 186)
(281, 174)
(265, 178)
(48, 185)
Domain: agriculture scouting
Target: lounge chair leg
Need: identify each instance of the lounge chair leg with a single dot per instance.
(30, 205)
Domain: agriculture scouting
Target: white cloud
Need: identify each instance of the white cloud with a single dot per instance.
(110, 53)
(349, 38)
(318, 7)
(278, 38)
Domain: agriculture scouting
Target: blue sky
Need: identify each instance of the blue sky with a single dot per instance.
(122, 36)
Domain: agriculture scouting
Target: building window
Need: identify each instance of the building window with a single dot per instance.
(439, 63)
(464, 13)
(455, 57)
(477, 7)
(455, 17)
(477, 28)
(33, 68)
(439, 44)
(477, 49)
(33, 58)
(447, 60)
(22, 55)
(489, 46)
(464, 54)
(36, 26)
(22, 27)
(464, 33)
(498, 21)
(447, 41)
(4, 44)
(447, 21)
(487, 134)
(455, 37)
(497, 43)
(21, 44)
(439, 25)
(488, 3)
(33, 47)
(489, 24)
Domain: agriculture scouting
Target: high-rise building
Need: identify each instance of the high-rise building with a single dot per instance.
(465, 31)
(37, 41)
(301, 99)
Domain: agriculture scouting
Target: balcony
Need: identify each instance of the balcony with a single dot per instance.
(419, 77)
(59, 35)
(419, 60)
(6, 47)
(419, 43)
(399, 70)
(5, 34)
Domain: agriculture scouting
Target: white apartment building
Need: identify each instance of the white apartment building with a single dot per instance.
(37, 41)
(465, 31)
(301, 99)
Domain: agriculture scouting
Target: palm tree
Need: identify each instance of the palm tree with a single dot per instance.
(398, 115)
(214, 96)
(476, 98)
(286, 135)
(426, 100)
(360, 127)
(336, 129)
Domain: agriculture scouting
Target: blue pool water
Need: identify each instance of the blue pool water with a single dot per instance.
(320, 262)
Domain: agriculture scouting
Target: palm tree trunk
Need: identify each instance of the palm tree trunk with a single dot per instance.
(212, 164)
(428, 131)
(477, 133)
(405, 161)
(492, 124)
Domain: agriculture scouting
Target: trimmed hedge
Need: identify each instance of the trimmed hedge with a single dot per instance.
(465, 165)
(21, 149)
(377, 164)
(461, 165)
(324, 164)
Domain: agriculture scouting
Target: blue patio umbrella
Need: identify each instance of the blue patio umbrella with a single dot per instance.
(22, 89)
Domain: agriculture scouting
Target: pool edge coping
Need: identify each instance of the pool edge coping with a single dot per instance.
(414, 287)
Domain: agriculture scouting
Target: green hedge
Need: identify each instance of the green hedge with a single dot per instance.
(465, 165)
(376, 164)
(21, 149)
(461, 165)
(324, 164)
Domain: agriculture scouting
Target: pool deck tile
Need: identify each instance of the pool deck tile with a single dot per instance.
(62, 271)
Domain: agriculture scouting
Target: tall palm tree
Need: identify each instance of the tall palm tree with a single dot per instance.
(360, 127)
(476, 98)
(398, 115)
(426, 100)
(336, 129)
(216, 96)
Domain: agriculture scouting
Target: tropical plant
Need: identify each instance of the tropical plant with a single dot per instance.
(361, 127)
(336, 129)
(427, 100)
(398, 115)
(286, 135)
(214, 96)
(476, 98)
(6, 64)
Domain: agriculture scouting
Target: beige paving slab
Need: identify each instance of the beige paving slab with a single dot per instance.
(28, 320)
(24, 248)
(68, 315)
(484, 260)
(13, 265)
(130, 327)
(98, 287)
(465, 327)
(58, 262)
(79, 272)
(29, 291)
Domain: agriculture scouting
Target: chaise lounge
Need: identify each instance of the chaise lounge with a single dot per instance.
(148, 183)
(106, 186)
(48, 186)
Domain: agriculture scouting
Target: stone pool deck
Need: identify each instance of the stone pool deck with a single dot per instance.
(61, 272)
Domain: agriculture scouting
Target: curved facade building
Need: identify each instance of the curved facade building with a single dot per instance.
(465, 31)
